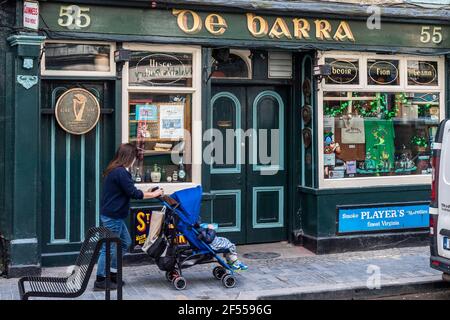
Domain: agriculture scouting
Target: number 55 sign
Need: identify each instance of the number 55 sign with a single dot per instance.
(431, 34)
(74, 17)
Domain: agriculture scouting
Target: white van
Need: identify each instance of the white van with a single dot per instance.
(440, 201)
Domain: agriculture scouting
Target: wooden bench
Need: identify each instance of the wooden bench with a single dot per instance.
(74, 285)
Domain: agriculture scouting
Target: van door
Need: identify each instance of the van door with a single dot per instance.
(443, 224)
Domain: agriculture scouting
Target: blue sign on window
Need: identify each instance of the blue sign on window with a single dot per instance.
(383, 218)
(145, 112)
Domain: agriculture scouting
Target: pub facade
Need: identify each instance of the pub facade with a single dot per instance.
(303, 123)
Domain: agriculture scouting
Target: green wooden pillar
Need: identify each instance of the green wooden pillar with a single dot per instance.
(23, 171)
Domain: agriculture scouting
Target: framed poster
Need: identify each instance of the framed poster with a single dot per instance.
(171, 121)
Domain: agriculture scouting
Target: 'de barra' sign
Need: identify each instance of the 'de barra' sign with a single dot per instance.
(383, 218)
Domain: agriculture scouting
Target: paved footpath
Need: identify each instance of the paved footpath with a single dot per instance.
(295, 271)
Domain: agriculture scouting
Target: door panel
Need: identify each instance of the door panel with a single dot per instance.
(71, 173)
(227, 181)
(266, 177)
(249, 202)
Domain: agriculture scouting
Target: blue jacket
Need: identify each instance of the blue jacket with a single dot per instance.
(118, 189)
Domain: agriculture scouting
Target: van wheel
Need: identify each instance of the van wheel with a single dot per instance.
(446, 277)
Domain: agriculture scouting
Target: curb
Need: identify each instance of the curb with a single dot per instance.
(350, 291)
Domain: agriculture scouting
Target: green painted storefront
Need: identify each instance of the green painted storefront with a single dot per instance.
(52, 180)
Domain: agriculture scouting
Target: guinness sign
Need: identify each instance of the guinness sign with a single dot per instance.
(422, 73)
(77, 111)
(342, 72)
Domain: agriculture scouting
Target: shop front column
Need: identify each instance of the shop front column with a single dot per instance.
(24, 162)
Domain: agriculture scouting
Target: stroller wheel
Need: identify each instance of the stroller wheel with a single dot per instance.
(170, 275)
(179, 283)
(229, 281)
(219, 272)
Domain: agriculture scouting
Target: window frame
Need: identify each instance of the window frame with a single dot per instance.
(72, 73)
(244, 55)
(196, 114)
(384, 180)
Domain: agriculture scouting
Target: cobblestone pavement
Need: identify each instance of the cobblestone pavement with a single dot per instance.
(296, 270)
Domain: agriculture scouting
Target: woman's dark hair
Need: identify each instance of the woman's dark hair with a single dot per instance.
(124, 157)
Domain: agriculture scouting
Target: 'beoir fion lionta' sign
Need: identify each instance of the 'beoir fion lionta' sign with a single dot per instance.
(190, 22)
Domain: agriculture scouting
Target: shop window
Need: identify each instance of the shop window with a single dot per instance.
(77, 57)
(373, 134)
(163, 98)
(236, 64)
(150, 69)
(160, 126)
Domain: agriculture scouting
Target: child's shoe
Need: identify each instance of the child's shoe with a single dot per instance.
(234, 265)
(242, 266)
(238, 265)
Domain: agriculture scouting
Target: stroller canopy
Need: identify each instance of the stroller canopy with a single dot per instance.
(190, 201)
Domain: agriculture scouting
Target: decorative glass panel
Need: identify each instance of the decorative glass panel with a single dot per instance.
(225, 114)
(231, 67)
(383, 72)
(160, 69)
(77, 57)
(422, 73)
(343, 71)
(267, 120)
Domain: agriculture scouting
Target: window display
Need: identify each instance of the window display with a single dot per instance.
(369, 134)
(159, 125)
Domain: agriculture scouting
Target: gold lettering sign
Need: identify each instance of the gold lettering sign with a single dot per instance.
(344, 32)
(182, 20)
(281, 28)
(77, 111)
(323, 29)
(252, 25)
(301, 28)
(342, 71)
(215, 24)
(382, 72)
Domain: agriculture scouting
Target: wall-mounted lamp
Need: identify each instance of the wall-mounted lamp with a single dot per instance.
(120, 57)
(321, 70)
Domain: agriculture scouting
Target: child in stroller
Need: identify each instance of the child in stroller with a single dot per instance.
(207, 233)
(182, 221)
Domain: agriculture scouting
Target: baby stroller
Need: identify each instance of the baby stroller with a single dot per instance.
(182, 213)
